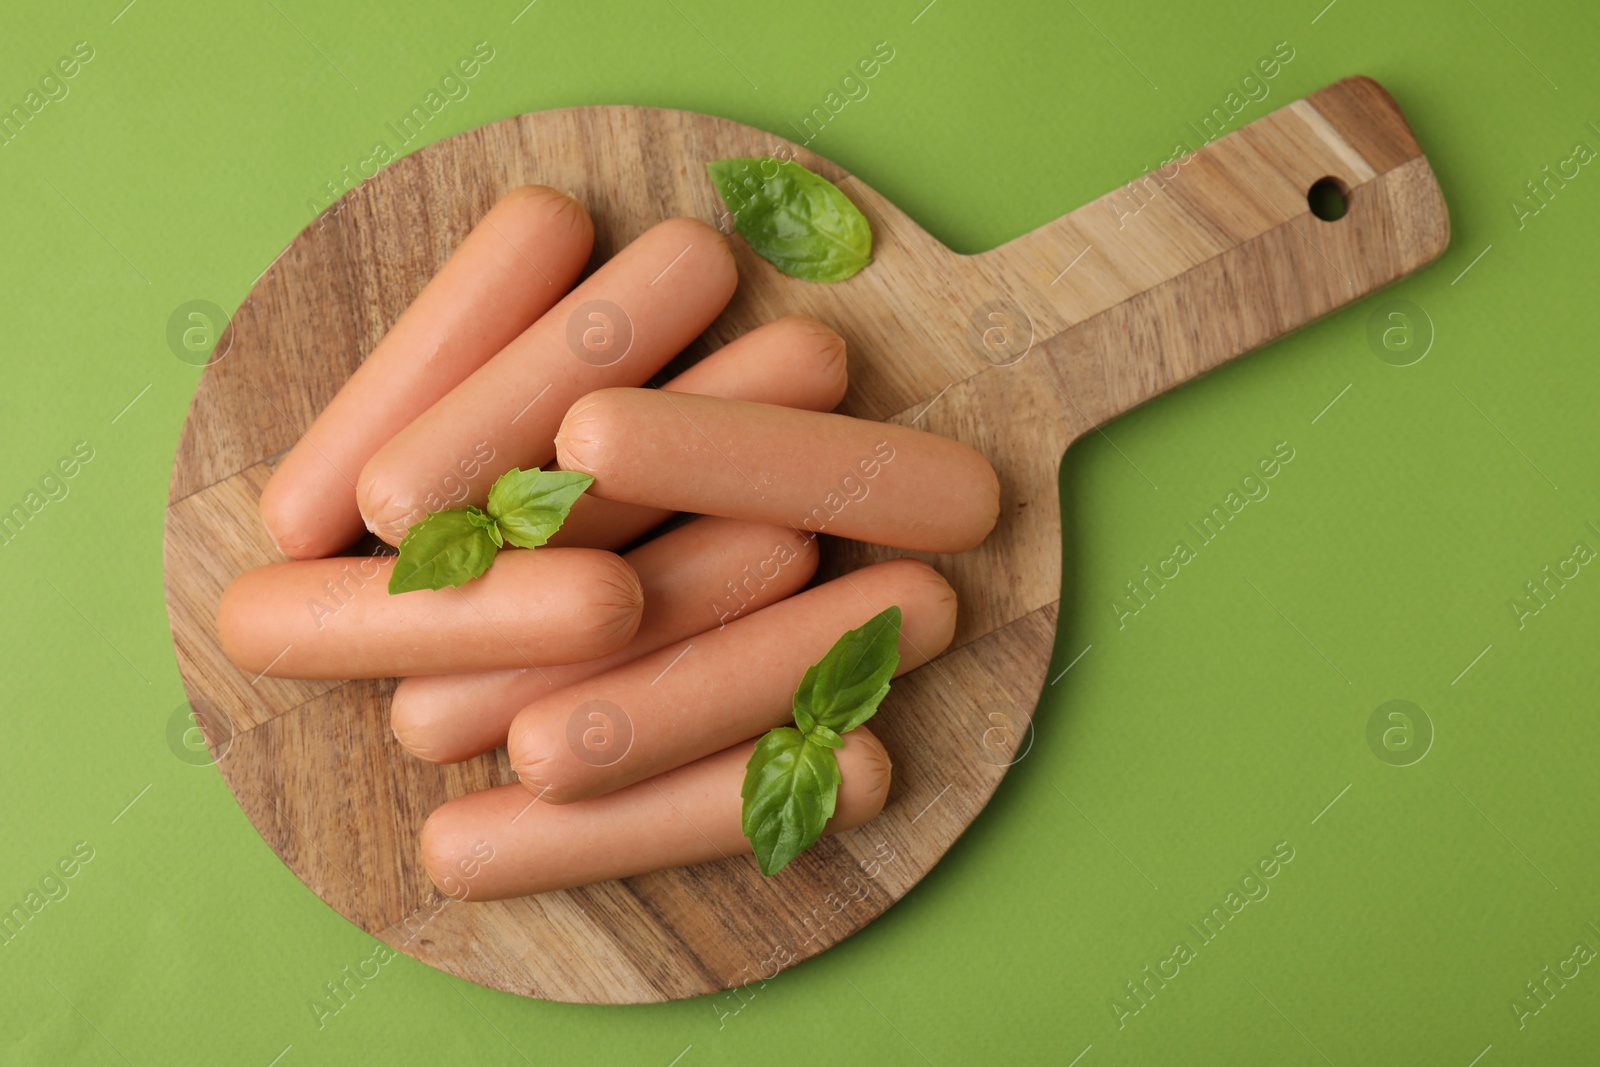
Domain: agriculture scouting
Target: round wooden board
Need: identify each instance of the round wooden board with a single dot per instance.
(314, 765)
(1094, 316)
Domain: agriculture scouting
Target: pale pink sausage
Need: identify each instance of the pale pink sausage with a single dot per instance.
(503, 842)
(701, 695)
(695, 578)
(335, 618)
(870, 481)
(619, 327)
(520, 259)
(793, 361)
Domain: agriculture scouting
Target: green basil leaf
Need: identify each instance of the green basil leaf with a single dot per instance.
(530, 506)
(796, 220)
(790, 787)
(446, 548)
(843, 689)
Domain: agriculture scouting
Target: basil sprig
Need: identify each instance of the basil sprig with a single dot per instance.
(794, 219)
(454, 546)
(791, 783)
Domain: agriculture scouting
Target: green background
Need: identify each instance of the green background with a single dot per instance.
(1223, 719)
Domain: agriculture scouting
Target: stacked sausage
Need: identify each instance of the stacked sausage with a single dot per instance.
(627, 688)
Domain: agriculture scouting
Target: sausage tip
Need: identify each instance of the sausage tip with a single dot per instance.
(266, 524)
(866, 772)
(819, 347)
(581, 439)
(411, 723)
(435, 844)
(535, 759)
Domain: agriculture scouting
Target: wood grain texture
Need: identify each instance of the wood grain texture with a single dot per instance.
(1017, 351)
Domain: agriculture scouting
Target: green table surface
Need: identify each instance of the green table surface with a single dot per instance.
(1436, 910)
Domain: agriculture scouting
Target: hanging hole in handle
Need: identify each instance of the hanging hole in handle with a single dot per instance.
(1327, 199)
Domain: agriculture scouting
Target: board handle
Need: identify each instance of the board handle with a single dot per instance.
(1146, 288)
(1221, 251)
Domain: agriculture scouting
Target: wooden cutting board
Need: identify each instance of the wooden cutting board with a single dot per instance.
(1017, 351)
